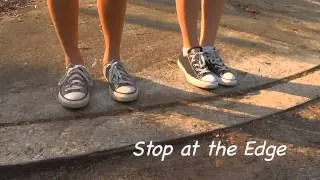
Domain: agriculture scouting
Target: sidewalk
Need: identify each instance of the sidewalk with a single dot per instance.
(295, 128)
(269, 44)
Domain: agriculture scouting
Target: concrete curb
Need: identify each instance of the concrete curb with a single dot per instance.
(13, 170)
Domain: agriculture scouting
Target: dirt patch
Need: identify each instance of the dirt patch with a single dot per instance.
(245, 7)
(10, 6)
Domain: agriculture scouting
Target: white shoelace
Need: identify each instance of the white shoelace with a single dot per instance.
(199, 62)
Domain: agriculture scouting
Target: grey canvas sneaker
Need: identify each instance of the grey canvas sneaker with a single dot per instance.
(122, 86)
(74, 87)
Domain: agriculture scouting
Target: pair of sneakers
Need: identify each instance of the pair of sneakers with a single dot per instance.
(206, 69)
(74, 87)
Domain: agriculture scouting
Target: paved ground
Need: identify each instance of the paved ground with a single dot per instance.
(273, 46)
(67, 137)
(261, 48)
(298, 129)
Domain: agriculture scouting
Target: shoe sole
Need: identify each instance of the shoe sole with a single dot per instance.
(124, 97)
(196, 82)
(73, 104)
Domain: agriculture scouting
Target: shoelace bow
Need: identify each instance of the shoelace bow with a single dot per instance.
(199, 62)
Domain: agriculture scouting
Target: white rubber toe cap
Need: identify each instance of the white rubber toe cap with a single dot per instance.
(126, 89)
(228, 76)
(74, 96)
(228, 79)
(209, 78)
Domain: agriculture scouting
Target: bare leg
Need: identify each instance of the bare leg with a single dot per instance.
(211, 15)
(112, 13)
(64, 15)
(188, 11)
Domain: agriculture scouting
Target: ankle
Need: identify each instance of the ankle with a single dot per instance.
(75, 60)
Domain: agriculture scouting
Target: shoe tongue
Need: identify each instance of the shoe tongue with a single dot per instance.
(195, 50)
